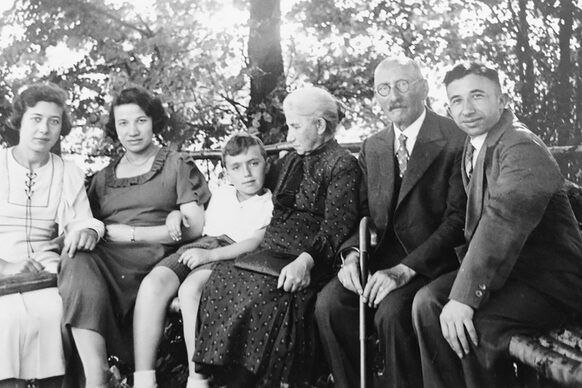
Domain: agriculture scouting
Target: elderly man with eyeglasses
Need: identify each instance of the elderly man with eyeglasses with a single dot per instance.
(412, 189)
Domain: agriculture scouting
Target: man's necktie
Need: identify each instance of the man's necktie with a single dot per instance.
(402, 154)
(469, 160)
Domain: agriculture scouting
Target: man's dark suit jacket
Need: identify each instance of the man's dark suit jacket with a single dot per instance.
(519, 221)
(429, 209)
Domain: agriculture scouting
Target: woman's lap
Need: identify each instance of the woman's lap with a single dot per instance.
(30, 335)
(99, 288)
(246, 320)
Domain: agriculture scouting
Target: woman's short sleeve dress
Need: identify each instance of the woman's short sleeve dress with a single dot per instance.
(99, 288)
(245, 320)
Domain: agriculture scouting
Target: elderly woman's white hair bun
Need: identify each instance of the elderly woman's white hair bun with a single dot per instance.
(316, 102)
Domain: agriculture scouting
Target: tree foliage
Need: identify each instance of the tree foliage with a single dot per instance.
(218, 72)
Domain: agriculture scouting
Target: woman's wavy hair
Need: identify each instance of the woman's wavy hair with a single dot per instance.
(150, 104)
(32, 95)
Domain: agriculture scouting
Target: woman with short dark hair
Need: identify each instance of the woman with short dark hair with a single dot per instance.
(132, 196)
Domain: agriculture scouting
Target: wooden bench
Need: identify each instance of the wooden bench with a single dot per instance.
(553, 359)
(549, 360)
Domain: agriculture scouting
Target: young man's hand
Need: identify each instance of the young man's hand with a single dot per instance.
(456, 321)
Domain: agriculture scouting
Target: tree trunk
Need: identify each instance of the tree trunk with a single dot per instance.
(578, 126)
(565, 70)
(266, 69)
(525, 64)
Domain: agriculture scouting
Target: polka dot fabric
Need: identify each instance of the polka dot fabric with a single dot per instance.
(244, 318)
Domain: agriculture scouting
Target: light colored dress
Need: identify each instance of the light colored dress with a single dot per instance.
(35, 208)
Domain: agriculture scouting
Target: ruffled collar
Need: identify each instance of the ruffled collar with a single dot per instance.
(112, 180)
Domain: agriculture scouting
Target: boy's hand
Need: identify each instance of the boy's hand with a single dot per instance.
(84, 239)
(195, 257)
(174, 222)
(296, 275)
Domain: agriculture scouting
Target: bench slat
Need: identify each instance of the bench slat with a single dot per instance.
(546, 360)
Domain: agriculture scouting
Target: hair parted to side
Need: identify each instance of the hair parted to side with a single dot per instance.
(315, 102)
(150, 104)
(462, 70)
(240, 142)
(32, 95)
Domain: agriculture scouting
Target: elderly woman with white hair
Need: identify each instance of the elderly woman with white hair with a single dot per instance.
(256, 324)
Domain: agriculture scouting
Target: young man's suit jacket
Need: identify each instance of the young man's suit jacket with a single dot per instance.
(519, 221)
(429, 208)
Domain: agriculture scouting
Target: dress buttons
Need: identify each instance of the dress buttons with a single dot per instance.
(479, 293)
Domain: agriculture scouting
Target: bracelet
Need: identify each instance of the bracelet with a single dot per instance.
(132, 239)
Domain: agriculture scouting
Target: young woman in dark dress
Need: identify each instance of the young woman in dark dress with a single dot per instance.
(132, 196)
(263, 325)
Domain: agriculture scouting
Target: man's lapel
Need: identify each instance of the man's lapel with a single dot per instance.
(429, 144)
(382, 155)
(477, 186)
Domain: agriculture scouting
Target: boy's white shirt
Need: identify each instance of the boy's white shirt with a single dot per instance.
(225, 214)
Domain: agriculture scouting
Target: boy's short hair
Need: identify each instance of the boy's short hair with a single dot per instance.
(32, 95)
(239, 143)
(464, 69)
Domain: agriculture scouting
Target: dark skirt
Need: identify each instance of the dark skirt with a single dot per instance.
(99, 289)
(246, 321)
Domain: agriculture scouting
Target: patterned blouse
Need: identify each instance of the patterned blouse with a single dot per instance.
(315, 204)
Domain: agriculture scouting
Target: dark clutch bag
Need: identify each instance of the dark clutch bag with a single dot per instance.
(264, 261)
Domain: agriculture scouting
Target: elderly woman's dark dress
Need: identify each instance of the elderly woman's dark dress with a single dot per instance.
(245, 320)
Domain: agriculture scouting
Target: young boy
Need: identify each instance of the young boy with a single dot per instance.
(235, 222)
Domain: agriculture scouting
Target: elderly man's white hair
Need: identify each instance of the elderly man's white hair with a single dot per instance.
(400, 61)
(314, 102)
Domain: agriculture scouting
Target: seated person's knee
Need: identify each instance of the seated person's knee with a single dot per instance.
(155, 285)
(190, 290)
(424, 302)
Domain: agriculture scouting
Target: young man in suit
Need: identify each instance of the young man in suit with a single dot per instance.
(413, 191)
(521, 267)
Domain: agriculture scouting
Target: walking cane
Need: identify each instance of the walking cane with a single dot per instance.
(367, 239)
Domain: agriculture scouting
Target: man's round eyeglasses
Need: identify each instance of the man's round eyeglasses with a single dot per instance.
(403, 86)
